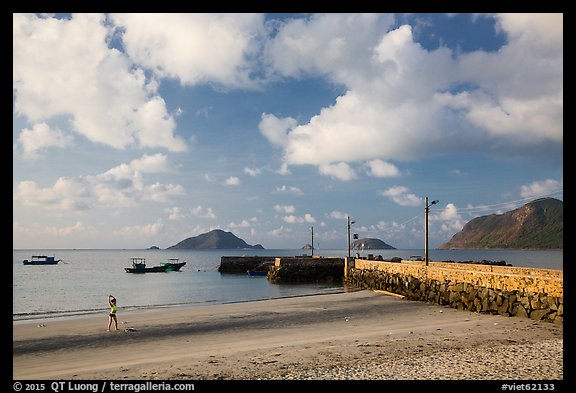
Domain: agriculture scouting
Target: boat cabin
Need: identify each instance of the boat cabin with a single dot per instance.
(138, 262)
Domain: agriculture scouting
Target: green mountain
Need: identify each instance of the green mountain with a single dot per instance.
(215, 239)
(371, 244)
(536, 225)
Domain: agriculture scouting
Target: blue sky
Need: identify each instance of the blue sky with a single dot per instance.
(133, 130)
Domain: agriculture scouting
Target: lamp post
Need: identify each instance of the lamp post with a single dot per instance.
(312, 241)
(348, 234)
(426, 210)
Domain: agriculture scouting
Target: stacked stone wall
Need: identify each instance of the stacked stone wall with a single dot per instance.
(509, 291)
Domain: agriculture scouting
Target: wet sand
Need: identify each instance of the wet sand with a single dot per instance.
(361, 335)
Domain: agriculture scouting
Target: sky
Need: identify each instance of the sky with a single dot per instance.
(139, 130)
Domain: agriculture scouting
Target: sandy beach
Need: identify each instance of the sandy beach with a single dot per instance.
(359, 335)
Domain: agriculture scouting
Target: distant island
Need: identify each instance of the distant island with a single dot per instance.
(215, 239)
(536, 225)
(371, 244)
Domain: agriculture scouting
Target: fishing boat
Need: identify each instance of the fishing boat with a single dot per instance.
(139, 266)
(41, 260)
(256, 272)
(173, 265)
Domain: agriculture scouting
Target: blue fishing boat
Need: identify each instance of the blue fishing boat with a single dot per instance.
(257, 273)
(41, 260)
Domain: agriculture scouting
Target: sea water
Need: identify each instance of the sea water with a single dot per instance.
(81, 282)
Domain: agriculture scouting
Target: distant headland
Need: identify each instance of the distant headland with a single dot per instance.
(536, 225)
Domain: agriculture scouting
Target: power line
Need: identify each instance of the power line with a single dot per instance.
(468, 210)
(477, 209)
(497, 206)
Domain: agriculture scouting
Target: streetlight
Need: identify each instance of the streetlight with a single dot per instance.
(426, 210)
(348, 234)
(312, 241)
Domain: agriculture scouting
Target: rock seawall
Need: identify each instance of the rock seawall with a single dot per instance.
(537, 305)
(231, 264)
(306, 269)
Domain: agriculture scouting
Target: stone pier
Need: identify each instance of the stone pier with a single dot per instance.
(307, 269)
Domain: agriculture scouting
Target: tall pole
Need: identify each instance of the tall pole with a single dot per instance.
(426, 230)
(312, 241)
(348, 235)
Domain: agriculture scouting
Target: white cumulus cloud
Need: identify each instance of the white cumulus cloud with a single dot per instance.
(401, 196)
(289, 190)
(449, 219)
(402, 101)
(341, 171)
(232, 181)
(195, 48)
(175, 213)
(292, 219)
(252, 171)
(379, 168)
(285, 208)
(40, 137)
(204, 212)
(538, 189)
(338, 215)
(64, 67)
(123, 186)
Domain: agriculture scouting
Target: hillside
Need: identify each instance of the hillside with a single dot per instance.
(215, 239)
(371, 244)
(536, 225)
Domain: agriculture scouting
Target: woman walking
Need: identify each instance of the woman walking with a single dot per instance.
(113, 311)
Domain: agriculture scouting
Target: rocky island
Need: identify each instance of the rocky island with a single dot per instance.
(215, 239)
(371, 244)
